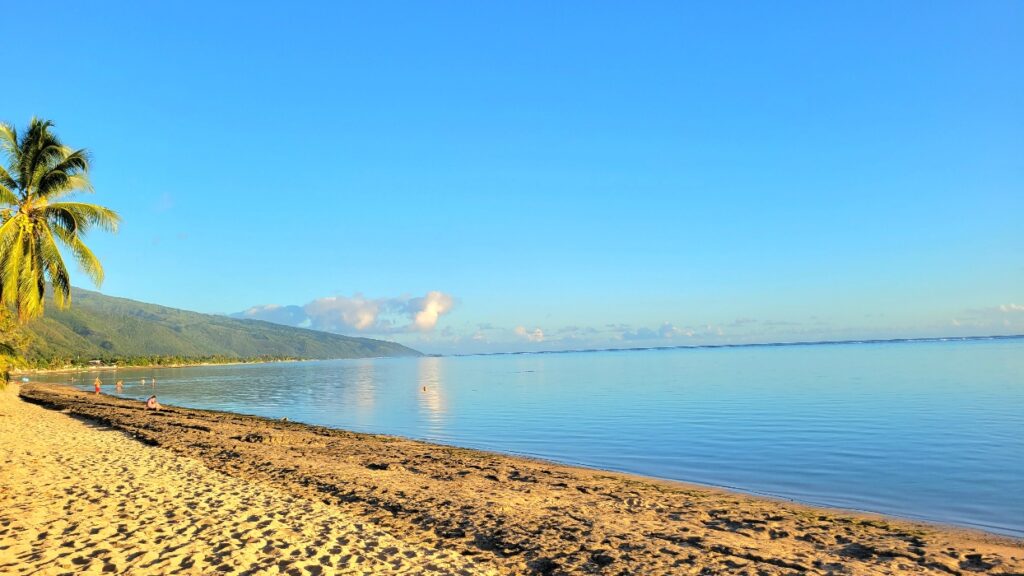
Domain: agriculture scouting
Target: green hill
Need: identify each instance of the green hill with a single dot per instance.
(126, 331)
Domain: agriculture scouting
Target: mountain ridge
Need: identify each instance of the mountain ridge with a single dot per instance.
(121, 330)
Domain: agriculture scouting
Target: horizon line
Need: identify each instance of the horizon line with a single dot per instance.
(746, 345)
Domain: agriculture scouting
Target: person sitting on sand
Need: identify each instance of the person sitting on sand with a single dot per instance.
(152, 404)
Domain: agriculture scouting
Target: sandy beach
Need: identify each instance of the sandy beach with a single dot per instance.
(96, 484)
(82, 498)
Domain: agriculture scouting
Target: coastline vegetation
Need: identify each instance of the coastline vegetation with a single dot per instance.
(68, 363)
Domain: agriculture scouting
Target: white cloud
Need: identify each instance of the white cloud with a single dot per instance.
(669, 331)
(536, 335)
(1000, 318)
(335, 312)
(430, 308)
(358, 313)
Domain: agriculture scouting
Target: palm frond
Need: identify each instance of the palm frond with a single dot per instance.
(7, 195)
(67, 175)
(28, 278)
(53, 264)
(11, 235)
(7, 181)
(88, 261)
(28, 148)
(40, 149)
(62, 220)
(61, 188)
(9, 141)
(85, 215)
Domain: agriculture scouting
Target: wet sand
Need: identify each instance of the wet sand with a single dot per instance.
(197, 491)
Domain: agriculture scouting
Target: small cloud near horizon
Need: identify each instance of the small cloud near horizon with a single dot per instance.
(669, 331)
(535, 335)
(998, 316)
(666, 331)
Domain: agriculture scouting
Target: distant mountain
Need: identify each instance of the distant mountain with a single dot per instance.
(104, 327)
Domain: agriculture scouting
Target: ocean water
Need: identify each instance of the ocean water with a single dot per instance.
(923, 430)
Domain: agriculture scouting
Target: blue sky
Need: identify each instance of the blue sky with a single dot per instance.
(465, 176)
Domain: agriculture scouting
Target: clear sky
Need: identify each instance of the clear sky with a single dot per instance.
(469, 176)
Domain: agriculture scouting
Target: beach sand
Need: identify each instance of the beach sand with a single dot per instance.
(226, 491)
(81, 498)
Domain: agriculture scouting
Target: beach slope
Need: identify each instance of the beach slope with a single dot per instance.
(465, 510)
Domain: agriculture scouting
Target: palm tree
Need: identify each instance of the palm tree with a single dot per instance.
(38, 212)
(12, 344)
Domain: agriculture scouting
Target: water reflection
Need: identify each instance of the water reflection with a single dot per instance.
(431, 394)
(363, 390)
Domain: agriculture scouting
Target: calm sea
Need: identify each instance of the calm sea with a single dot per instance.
(925, 430)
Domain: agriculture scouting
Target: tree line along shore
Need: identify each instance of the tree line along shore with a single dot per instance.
(60, 365)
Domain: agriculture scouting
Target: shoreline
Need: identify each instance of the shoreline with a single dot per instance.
(549, 518)
(108, 368)
(979, 529)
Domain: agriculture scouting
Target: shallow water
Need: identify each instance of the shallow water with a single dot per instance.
(926, 430)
